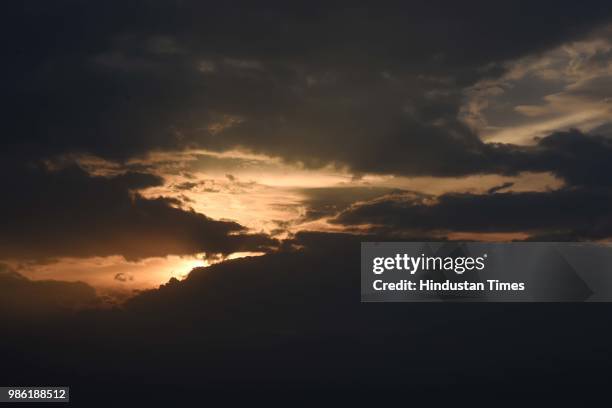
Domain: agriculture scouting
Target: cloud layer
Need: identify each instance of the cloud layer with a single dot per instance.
(319, 84)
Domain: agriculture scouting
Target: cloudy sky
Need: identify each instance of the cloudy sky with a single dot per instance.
(141, 140)
(185, 186)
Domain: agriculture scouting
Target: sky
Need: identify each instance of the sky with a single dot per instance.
(186, 184)
(145, 139)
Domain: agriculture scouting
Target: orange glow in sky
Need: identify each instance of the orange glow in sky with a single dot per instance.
(262, 193)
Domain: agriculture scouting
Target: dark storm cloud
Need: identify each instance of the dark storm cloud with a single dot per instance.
(581, 212)
(318, 83)
(577, 158)
(289, 326)
(67, 212)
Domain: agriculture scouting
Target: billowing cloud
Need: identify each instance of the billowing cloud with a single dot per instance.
(318, 85)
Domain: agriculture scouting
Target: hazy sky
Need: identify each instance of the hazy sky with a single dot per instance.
(140, 142)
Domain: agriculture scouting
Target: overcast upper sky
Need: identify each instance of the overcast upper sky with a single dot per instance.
(141, 139)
